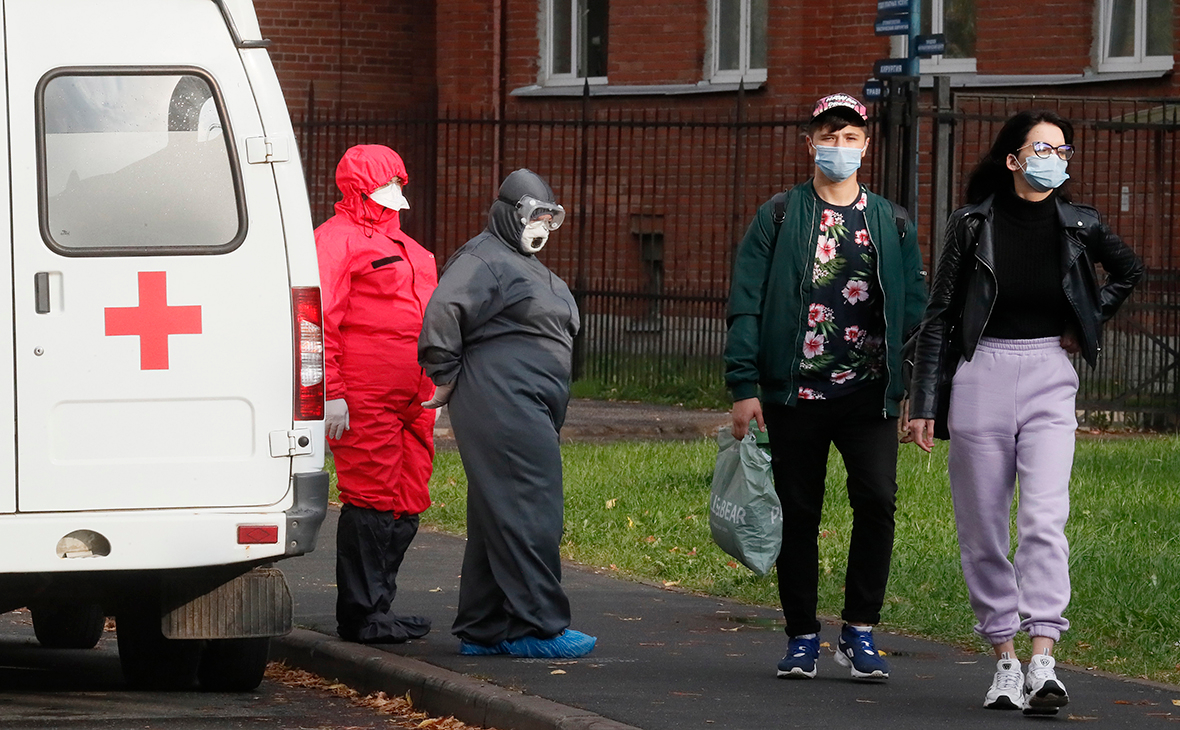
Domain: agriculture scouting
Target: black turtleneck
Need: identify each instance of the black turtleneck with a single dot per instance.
(1030, 300)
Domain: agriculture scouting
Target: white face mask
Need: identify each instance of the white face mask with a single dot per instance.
(390, 196)
(534, 236)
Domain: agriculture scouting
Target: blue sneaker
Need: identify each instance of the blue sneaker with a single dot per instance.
(470, 648)
(855, 649)
(569, 644)
(799, 663)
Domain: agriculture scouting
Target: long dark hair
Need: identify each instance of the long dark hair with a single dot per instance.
(992, 175)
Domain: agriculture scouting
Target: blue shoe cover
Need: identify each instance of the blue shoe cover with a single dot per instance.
(470, 648)
(569, 644)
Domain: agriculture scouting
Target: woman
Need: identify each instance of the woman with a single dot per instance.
(1016, 291)
(497, 340)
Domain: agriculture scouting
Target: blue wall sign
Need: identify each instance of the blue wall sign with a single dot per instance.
(891, 67)
(893, 25)
(931, 45)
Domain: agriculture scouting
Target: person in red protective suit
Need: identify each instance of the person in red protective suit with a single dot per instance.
(376, 282)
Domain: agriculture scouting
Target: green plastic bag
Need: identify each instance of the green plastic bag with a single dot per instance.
(745, 516)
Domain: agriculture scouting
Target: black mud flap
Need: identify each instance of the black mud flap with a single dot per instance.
(255, 604)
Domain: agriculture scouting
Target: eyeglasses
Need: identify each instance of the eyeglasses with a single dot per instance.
(1044, 149)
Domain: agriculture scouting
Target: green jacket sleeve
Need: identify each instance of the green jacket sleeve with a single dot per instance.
(751, 270)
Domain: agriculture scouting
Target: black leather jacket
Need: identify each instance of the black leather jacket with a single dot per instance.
(964, 291)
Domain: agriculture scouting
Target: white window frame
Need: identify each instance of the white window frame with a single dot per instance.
(1138, 62)
(548, 32)
(744, 73)
(941, 64)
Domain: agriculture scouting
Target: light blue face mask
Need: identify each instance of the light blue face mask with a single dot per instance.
(1045, 173)
(837, 163)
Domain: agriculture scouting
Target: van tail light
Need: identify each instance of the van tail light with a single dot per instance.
(309, 353)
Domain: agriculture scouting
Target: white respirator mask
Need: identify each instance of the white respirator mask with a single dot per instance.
(534, 236)
(390, 196)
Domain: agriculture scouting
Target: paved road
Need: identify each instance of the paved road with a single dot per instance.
(668, 660)
(83, 690)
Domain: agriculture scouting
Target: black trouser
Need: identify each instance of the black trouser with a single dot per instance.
(799, 440)
(370, 547)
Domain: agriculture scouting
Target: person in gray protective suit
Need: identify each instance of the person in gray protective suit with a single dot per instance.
(497, 340)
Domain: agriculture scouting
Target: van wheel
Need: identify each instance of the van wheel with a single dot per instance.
(233, 665)
(149, 660)
(68, 626)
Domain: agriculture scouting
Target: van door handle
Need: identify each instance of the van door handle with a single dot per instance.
(41, 291)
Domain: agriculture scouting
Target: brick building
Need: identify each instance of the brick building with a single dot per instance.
(691, 53)
(692, 119)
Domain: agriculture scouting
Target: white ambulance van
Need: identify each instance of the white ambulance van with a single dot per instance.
(162, 441)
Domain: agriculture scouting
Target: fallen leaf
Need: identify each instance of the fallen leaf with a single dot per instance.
(1083, 718)
(630, 524)
(670, 583)
(435, 590)
(867, 702)
(650, 538)
(826, 645)
(735, 628)
(558, 671)
(731, 564)
(610, 503)
(1176, 702)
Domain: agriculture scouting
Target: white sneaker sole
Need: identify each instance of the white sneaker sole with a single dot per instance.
(796, 673)
(844, 661)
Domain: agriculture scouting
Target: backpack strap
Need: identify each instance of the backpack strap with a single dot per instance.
(780, 211)
(901, 218)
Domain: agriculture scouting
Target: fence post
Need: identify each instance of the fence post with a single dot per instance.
(941, 179)
(579, 354)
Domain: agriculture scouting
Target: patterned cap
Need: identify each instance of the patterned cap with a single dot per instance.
(839, 101)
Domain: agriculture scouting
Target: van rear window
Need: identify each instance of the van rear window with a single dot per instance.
(136, 163)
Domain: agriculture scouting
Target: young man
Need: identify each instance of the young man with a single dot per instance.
(827, 284)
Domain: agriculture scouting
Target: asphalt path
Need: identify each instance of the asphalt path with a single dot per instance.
(668, 659)
(83, 690)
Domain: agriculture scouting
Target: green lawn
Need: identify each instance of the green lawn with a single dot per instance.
(639, 508)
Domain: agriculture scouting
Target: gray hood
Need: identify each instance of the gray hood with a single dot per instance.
(503, 222)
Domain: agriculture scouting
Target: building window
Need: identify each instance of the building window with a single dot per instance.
(1135, 35)
(738, 40)
(576, 31)
(956, 20)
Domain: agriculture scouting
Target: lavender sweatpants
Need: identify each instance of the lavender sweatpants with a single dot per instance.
(1012, 417)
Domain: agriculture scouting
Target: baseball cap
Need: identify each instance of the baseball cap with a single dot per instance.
(843, 104)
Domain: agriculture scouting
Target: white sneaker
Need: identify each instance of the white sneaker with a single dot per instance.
(1044, 694)
(1007, 690)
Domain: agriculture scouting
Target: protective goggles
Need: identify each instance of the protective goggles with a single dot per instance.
(530, 210)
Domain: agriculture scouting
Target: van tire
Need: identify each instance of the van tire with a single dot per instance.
(233, 665)
(69, 625)
(148, 659)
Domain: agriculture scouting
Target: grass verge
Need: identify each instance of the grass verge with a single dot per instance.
(640, 509)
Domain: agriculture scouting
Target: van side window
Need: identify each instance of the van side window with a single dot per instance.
(137, 162)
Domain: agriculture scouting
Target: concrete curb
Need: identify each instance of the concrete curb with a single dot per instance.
(432, 689)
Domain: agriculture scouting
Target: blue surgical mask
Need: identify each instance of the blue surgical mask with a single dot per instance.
(1045, 174)
(837, 163)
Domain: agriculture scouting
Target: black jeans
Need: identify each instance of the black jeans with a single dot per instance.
(800, 436)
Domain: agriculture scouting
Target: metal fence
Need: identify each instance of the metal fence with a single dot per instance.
(658, 199)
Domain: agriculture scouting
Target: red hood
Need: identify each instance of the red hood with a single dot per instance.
(362, 170)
